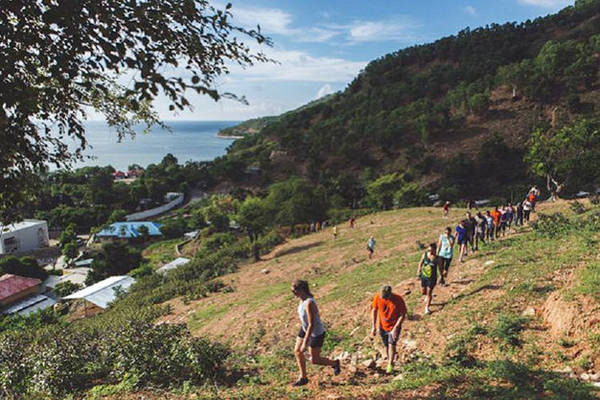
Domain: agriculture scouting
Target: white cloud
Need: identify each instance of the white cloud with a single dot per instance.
(271, 20)
(399, 29)
(550, 4)
(324, 91)
(470, 10)
(299, 66)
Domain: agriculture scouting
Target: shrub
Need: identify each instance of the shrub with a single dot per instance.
(66, 288)
(25, 266)
(577, 207)
(552, 225)
(508, 328)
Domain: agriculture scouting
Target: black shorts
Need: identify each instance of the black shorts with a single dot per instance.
(445, 263)
(370, 250)
(313, 341)
(462, 241)
(429, 282)
(386, 336)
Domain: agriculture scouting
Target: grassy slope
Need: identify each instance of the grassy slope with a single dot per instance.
(258, 318)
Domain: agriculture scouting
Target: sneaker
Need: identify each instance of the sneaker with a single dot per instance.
(427, 312)
(300, 382)
(336, 368)
(389, 369)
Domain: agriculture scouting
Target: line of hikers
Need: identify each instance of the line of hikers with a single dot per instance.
(388, 309)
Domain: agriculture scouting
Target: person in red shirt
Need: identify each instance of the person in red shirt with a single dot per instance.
(390, 310)
(496, 214)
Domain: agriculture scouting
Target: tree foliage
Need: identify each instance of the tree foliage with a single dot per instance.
(59, 58)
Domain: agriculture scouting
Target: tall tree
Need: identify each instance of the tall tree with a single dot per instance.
(253, 217)
(59, 58)
(571, 153)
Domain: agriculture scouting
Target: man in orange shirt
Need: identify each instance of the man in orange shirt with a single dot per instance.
(496, 214)
(390, 310)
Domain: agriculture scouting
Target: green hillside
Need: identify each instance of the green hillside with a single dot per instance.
(455, 115)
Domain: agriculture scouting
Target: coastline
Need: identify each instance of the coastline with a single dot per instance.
(220, 136)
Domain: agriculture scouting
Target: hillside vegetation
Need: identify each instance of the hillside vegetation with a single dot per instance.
(455, 116)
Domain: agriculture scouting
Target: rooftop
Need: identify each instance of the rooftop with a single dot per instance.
(14, 284)
(103, 292)
(28, 223)
(129, 230)
(30, 305)
(176, 263)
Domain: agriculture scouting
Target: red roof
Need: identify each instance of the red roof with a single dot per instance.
(14, 284)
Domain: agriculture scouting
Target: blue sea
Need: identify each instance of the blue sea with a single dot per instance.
(189, 140)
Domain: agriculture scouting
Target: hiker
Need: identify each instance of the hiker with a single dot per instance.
(312, 227)
(527, 207)
(480, 228)
(519, 215)
(317, 226)
(335, 232)
(461, 238)
(510, 213)
(445, 209)
(427, 272)
(470, 225)
(532, 198)
(470, 204)
(445, 250)
(496, 214)
(352, 219)
(371, 246)
(311, 334)
(490, 225)
(389, 308)
(503, 220)
(324, 225)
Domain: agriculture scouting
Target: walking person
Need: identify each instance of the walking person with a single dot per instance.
(388, 313)
(427, 272)
(510, 213)
(445, 252)
(334, 230)
(496, 214)
(480, 228)
(445, 209)
(519, 215)
(461, 238)
(527, 207)
(371, 246)
(490, 226)
(503, 220)
(311, 334)
(470, 224)
(352, 219)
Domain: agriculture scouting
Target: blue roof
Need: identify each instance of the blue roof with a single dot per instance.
(129, 230)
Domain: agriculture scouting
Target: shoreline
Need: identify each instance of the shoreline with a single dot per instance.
(220, 136)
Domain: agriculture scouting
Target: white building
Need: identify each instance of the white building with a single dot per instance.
(101, 294)
(28, 235)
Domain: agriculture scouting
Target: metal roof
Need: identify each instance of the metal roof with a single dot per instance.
(103, 292)
(28, 223)
(129, 230)
(84, 263)
(11, 285)
(176, 263)
(30, 305)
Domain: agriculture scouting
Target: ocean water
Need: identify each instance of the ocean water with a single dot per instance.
(189, 140)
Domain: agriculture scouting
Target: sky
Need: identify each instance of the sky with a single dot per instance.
(321, 45)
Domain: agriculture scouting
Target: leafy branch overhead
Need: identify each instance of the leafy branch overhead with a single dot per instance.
(61, 58)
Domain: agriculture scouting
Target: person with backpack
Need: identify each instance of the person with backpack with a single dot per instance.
(461, 239)
(519, 215)
(388, 314)
(371, 246)
(427, 272)
(470, 226)
(445, 252)
(480, 228)
(312, 333)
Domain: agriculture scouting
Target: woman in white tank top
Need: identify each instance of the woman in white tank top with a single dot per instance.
(311, 334)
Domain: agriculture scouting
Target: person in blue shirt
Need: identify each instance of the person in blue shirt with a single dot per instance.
(461, 238)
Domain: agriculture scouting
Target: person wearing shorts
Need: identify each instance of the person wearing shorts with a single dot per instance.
(371, 246)
(390, 310)
(427, 272)
(527, 207)
(445, 250)
(489, 232)
(461, 238)
(480, 228)
(311, 334)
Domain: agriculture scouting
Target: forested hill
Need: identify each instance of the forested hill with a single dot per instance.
(454, 116)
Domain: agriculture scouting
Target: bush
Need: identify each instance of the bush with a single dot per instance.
(577, 207)
(552, 225)
(65, 288)
(508, 329)
(25, 266)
